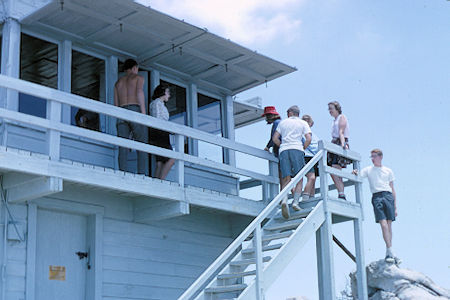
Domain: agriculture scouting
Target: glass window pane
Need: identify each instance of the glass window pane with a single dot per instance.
(209, 120)
(88, 77)
(38, 64)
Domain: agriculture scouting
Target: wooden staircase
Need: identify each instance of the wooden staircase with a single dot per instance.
(253, 261)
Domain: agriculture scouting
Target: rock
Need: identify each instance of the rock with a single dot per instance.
(389, 282)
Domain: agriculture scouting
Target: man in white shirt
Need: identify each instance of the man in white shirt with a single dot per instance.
(292, 155)
(381, 181)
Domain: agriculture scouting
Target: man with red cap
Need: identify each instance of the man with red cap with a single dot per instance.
(272, 117)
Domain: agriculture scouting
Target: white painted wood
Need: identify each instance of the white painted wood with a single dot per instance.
(342, 174)
(127, 143)
(34, 188)
(328, 259)
(31, 252)
(95, 247)
(228, 125)
(65, 74)
(192, 115)
(53, 134)
(333, 148)
(65, 98)
(112, 71)
(179, 164)
(10, 65)
(69, 206)
(147, 210)
(59, 236)
(344, 208)
(361, 276)
(259, 280)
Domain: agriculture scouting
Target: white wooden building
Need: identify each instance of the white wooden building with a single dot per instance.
(75, 227)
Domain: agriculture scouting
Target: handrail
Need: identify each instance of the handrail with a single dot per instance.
(250, 228)
(120, 113)
(231, 249)
(123, 142)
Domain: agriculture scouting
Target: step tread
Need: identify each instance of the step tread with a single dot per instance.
(248, 261)
(295, 214)
(265, 248)
(226, 288)
(284, 225)
(275, 236)
(236, 275)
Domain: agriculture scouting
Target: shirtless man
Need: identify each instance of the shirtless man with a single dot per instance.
(129, 94)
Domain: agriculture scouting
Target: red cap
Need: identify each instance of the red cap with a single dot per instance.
(270, 110)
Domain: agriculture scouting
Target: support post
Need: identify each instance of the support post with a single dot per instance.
(179, 164)
(325, 237)
(31, 251)
(259, 280)
(155, 78)
(320, 262)
(192, 116)
(54, 136)
(273, 187)
(65, 75)
(10, 61)
(228, 113)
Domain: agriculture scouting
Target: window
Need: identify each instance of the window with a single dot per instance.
(177, 103)
(38, 64)
(88, 80)
(209, 120)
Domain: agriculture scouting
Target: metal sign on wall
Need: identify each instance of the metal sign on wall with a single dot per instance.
(57, 273)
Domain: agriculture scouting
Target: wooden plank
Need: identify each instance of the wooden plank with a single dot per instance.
(34, 188)
(333, 148)
(31, 251)
(146, 210)
(343, 174)
(344, 208)
(129, 144)
(361, 277)
(117, 112)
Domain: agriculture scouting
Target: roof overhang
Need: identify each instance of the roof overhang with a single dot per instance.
(156, 40)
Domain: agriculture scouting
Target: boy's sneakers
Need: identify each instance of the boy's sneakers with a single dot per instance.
(392, 260)
(389, 259)
(285, 208)
(342, 196)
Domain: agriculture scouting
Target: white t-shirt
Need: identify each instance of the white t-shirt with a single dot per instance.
(292, 130)
(379, 178)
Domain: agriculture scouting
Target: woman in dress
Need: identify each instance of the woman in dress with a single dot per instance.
(340, 135)
(158, 137)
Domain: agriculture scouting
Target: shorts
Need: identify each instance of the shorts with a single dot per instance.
(334, 159)
(291, 162)
(160, 139)
(314, 169)
(383, 206)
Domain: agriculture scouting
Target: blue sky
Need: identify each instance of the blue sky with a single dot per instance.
(388, 64)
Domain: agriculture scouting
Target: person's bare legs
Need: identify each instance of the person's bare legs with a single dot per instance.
(298, 191)
(386, 229)
(166, 168)
(310, 185)
(338, 181)
(284, 205)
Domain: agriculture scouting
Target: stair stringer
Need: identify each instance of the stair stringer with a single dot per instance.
(288, 251)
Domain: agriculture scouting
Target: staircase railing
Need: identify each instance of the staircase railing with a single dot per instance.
(255, 226)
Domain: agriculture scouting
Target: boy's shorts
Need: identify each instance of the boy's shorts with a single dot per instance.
(383, 206)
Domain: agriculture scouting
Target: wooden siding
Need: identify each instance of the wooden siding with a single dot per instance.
(140, 261)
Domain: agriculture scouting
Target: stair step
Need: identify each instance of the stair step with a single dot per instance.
(295, 214)
(276, 236)
(248, 261)
(236, 275)
(284, 225)
(264, 248)
(226, 288)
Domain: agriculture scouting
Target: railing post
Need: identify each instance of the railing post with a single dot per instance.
(10, 64)
(273, 187)
(324, 237)
(54, 136)
(179, 164)
(257, 244)
(359, 242)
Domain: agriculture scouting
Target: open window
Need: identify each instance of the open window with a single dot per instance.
(38, 64)
(88, 80)
(209, 120)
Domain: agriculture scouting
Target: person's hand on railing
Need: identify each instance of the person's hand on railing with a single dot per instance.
(355, 172)
(266, 149)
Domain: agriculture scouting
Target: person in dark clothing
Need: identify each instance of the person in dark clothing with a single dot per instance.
(87, 119)
(272, 117)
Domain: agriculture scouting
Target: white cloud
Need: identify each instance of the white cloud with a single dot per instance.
(244, 21)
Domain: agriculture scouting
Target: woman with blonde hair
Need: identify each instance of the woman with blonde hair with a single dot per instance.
(340, 136)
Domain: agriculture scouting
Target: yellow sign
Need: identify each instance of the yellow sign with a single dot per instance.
(57, 273)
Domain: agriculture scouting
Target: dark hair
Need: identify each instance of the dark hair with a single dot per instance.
(129, 64)
(336, 105)
(159, 91)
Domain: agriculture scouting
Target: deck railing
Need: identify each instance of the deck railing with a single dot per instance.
(55, 127)
(255, 227)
